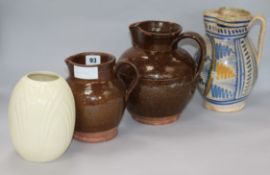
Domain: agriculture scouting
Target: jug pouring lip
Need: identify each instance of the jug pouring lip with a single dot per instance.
(229, 14)
(156, 28)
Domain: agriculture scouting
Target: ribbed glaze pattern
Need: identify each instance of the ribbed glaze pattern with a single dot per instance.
(41, 118)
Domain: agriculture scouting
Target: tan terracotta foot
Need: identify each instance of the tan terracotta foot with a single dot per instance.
(224, 108)
(97, 136)
(155, 120)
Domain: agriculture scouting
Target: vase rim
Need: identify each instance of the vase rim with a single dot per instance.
(42, 76)
(229, 14)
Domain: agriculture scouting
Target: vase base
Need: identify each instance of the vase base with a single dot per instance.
(38, 159)
(97, 136)
(224, 108)
(155, 120)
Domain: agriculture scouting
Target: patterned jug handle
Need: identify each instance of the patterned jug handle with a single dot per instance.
(196, 37)
(262, 21)
(135, 80)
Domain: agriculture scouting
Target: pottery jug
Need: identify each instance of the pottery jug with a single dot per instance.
(168, 74)
(41, 116)
(230, 68)
(100, 95)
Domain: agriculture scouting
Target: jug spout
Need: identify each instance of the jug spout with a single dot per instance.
(133, 28)
(69, 65)
(154, 35)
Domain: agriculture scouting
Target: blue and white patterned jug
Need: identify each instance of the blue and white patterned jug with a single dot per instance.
(230, 68)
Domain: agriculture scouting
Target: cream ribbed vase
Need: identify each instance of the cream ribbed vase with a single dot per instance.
(41, 116)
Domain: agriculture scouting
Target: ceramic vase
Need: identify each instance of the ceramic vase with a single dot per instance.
(41, 116)
(99, 93)
(231, 64)
(168, 74)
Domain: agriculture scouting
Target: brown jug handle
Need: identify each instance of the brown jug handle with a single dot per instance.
(135, 80)
(201, 43)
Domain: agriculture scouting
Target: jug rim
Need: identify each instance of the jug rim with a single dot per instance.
(111, 59)
(229, 14)
(177, 28)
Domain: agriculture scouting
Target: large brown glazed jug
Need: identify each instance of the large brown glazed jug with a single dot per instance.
(100, 96)
(168, 74)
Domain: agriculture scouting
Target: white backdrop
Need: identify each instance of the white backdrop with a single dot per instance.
(39, 35)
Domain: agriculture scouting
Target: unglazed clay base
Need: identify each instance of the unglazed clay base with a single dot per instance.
(224, 108)
(156, 120)
(96, 137)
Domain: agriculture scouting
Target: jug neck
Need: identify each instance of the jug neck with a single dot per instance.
(154, 35)
(227, 22)
(80, 67)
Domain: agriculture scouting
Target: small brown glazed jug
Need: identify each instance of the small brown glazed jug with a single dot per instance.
(168, 74)
(100, 96)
